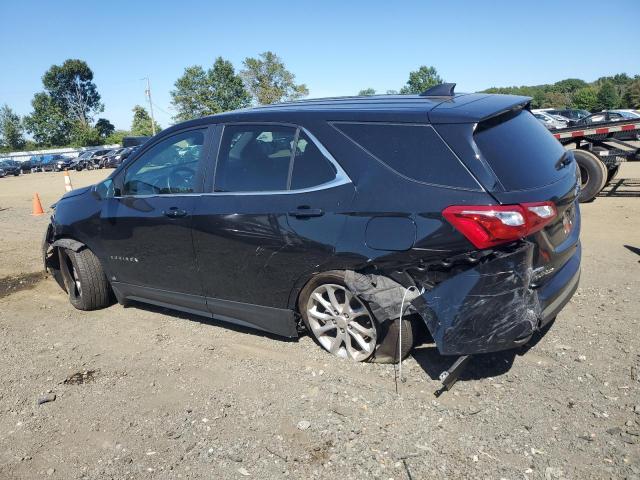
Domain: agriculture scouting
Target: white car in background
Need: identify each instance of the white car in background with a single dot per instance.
(552, 122)
(628, 114)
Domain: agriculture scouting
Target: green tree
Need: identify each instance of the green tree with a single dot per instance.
(71, 88)
(585, 98)
(227, 87)
(268, 81)
(608, 96)
(198, 92)
(104, 127)
(420, 80)
(85, 136)
(556, 99)
(191, 97)
(569, 85)
(367, 92)
(116, 137)
(11, 130)
(632, 95)
(48, 124)
(538, 98)
(619, 79)
(392, 92)
(141, 124)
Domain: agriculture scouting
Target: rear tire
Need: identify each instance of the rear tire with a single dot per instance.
(385, 340)
(593, 175)
(85, 280)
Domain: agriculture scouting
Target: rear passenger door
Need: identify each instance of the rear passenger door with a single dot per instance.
(274, 213)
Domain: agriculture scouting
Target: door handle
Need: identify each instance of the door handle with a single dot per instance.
(174, 212)
(305, 211)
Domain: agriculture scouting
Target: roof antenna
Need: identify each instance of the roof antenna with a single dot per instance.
(441, 90)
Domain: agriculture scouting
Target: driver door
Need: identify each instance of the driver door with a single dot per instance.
(146, 224)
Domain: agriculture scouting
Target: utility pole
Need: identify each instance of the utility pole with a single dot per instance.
(148, 94)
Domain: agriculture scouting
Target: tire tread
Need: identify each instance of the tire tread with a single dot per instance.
(96, 292)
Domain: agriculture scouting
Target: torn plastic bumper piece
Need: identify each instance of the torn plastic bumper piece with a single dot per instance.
(487, 308)
(383, 294)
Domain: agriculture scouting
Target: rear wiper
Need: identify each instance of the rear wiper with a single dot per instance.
(565, 160)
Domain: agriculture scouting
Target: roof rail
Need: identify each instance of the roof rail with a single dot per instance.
(440, 90)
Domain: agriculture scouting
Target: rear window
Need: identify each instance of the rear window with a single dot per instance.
(520, 150)
(413, 151)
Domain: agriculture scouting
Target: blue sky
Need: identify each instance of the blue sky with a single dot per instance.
(335, 47)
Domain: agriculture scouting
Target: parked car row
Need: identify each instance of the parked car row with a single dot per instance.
(554, 118)
(559, 118)
(89, 160)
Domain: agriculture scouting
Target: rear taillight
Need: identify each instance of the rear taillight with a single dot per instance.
(488, 225)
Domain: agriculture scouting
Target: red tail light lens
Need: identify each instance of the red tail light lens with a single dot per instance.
(488, 225)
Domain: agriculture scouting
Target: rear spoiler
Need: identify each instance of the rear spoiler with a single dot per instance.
(476, 107)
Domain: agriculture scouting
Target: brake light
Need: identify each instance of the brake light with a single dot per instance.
(488, 225)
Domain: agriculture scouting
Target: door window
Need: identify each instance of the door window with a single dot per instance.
(169, 167)
(254, 158)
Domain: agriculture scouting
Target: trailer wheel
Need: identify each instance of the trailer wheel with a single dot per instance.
(593, 175)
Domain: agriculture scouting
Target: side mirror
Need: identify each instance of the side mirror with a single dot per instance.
(104, 189)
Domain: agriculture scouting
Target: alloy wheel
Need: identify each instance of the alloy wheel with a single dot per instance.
(341, 323)
(76, 281)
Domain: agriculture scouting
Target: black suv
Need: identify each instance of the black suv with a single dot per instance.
(10, 167)
(335, 215)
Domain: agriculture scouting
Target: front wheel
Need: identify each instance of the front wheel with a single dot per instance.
(343, 324)
(84, 279)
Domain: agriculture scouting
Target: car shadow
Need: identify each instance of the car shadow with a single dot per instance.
(214, 322)
(485, 365)
(425, 354)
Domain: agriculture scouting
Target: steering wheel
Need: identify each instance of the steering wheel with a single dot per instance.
(180, 179)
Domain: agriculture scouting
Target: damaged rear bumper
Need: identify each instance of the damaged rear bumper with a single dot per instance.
(493, 306)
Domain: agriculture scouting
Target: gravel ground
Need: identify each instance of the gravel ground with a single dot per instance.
(142, 392)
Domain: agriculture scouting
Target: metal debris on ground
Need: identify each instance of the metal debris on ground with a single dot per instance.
(79, 378)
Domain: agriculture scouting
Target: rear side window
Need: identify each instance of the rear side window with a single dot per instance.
(521, 151)
(413, 151)
(310, 166)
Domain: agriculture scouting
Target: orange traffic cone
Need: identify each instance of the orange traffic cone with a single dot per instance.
(67, 181)
(37, 205)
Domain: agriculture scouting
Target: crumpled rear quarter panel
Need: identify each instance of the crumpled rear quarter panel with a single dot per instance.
(486, 308)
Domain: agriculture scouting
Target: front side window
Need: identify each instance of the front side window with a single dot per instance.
(169, 167)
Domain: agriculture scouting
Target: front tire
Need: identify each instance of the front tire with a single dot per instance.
(85, 280)
(342, 323)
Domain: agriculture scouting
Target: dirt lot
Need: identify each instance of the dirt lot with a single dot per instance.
(145, 393)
